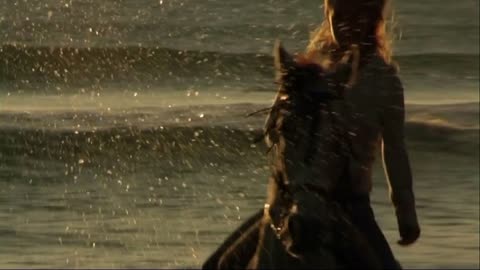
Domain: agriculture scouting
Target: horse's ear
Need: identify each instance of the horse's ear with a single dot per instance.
(283, 61)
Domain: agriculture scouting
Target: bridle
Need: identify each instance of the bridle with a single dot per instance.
(288, 190)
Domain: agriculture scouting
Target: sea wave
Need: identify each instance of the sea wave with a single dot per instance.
(145, 65)
(461, 116)
(195, 129)
(75, 65)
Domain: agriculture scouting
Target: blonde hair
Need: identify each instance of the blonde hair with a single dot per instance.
(322, 42)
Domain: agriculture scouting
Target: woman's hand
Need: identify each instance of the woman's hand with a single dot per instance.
(408, 226)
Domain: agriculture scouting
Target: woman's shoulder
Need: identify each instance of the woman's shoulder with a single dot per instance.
(384, 74)
(380, 66)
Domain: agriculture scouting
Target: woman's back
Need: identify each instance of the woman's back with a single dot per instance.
(368, 103)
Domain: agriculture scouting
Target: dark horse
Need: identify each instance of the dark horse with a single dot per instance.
(302, 226)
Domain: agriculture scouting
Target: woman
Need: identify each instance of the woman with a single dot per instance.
(355, 30)
(353, 33)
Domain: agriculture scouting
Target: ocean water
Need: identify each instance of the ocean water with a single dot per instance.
(124, 141)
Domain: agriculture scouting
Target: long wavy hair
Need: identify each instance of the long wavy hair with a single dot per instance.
(369, 19)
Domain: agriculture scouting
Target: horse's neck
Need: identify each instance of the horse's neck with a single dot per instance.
(321, 157)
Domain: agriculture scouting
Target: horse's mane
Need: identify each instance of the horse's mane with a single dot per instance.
(305, 60)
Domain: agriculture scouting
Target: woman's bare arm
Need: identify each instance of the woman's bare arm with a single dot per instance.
(396, 161)
(394, 152)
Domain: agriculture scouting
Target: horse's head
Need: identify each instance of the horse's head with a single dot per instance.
(292, 123)
(303, 84)
(298, 113)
